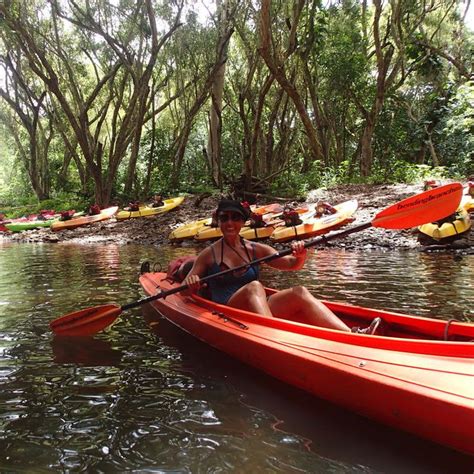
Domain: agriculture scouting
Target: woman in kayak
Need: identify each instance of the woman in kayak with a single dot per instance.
(243, 290)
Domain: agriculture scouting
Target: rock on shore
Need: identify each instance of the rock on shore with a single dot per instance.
(155, 230)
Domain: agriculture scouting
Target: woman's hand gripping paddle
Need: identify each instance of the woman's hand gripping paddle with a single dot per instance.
(411, 212)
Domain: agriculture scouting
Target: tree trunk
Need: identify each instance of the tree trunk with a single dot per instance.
(196, 107)
(277, 69)
(214, 145)
(132, 164)
(149, 168)
(383, 54)
(366, 154)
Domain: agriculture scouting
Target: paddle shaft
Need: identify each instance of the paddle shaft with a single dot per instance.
(268, 258)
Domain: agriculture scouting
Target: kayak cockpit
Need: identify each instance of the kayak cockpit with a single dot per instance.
(399, 332)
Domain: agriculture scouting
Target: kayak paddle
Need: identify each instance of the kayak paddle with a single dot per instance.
(422, 208)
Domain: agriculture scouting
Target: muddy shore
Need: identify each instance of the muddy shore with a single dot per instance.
(155, 230)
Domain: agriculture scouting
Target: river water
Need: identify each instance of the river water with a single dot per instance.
(136, 400)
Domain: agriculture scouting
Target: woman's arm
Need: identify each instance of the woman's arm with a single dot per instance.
(295, 261)
(197, 271)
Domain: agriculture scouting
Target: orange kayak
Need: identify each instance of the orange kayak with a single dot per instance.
(84, 220)
(418, 376)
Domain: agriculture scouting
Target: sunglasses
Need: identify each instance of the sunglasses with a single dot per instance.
(233, 216)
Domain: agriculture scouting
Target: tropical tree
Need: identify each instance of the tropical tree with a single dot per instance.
(98, 70)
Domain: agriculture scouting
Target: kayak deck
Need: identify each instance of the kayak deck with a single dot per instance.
(75, 222)
(149, 211)
(313, 225)
(397, 379)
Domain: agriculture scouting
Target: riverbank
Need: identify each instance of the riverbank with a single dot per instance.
(155, 230)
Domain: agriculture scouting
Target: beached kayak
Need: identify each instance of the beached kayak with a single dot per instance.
(212, 233)
(272, 222)
(452, 226)
(467, 203)
(84, 220)
(188, 231)
(19, 226)
(313, 225)
(418, 376)
(148, 211)
(257, 233)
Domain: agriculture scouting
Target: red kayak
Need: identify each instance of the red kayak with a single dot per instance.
(418, 376)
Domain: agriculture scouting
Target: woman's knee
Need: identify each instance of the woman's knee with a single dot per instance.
(302, 293)
(255, 288)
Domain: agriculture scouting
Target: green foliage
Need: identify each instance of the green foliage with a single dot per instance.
(30, 205)
(14, 184)
(195, 175)
(404, 172)
(332, 67)
(294, 184)
(456, 131)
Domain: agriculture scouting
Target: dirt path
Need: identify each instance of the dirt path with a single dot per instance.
(155, 230)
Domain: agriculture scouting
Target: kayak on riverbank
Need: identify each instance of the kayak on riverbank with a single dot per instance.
(155, 231)
(451, 227)
(188, 231)
(213, 233)
(42, 220)
(84, 220)
(447, 229)
(19, 226)
(149, 211)
(317, 224)
(417, 376)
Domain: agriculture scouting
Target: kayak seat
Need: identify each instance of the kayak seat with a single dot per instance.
(370, 330)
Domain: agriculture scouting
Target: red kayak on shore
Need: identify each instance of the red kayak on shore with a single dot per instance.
(418, 376)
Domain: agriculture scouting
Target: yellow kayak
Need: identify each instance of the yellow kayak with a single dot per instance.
(212, 233)
(467, 203)
(449, 227)
(188, 231)
(148, 211)
(313, 225)
(257, 233)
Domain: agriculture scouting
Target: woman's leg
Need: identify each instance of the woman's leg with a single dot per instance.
(251, 297)
(298, 301)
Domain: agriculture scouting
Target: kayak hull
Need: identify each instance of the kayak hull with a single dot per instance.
(422, 386)
(257, 233)
(84, 220)
(147, 211)
(213, 233)
(272, 223)
(28, 225)
(313, 226)
(448, 230)
(188, 231)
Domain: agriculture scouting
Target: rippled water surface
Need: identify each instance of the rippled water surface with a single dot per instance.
(132, 399)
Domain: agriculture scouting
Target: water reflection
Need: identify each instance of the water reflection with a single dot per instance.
(84, 351)
(438, 286)
(132, 399)
(291, 418)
